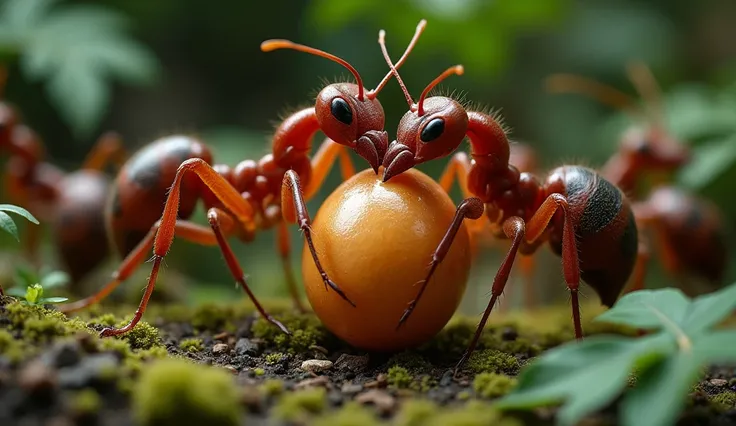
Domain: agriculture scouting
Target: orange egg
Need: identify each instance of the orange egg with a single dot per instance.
(375, 241)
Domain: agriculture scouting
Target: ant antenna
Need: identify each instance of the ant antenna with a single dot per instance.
(457, 70)
(420, 28)
(270, 45)
(645, 83)
(382, 42)
(561, 83)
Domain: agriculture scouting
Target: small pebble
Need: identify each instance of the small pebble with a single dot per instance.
(316, 365)
(92, 370)
(220, 348)
(353, 363)
(446, 379)
(719, 382)
(321, 381)
(221, 336)
(246, 347)
(231, 369)
(382, 400)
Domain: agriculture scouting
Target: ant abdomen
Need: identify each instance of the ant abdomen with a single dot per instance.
(139, 193)
(606, 232)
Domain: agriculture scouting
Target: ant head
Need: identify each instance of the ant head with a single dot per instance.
(346, 112)
(653, 149)
(432, 128)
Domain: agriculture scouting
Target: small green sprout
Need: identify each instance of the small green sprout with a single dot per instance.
(35, 286)
(586, 376)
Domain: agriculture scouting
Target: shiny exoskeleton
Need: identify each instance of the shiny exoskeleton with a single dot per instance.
(70, 203)
(158, 188)
(586, 219)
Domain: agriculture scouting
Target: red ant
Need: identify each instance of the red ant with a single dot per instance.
(689, 230)
(585, 218)
(177, 172)
(71, 203)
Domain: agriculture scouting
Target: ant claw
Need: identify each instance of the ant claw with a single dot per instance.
(108, 332)
(278, 324)
(331, 284)
(406, 313)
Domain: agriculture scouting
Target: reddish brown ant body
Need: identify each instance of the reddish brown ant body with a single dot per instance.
(586, 219)
(71, 203)
(688, 230)
(176, 172)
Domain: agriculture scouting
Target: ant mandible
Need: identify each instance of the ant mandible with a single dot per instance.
(688, 230)
(585, 218)
(71, 203)
(239, 201)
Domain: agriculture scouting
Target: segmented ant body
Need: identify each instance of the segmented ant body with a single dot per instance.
(177, 172)
(688, 230)
(586, 219)
(70, 203)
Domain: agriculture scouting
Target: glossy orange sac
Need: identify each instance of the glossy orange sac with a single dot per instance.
(376, 240)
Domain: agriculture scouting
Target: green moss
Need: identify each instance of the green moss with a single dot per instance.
(142, 336)
(11, 348)
(306, 330)
(464, 395)
(259, 372)
(107, 320)
(6, 340)
(272, 387)
(43, 329)
(412, 361)
(474, 413)
(39, 323)
(424, 384)
(299, 405)
(155, 352)
(191, 345)
(492, 385)
(212, 317)
(274, 358)
(399, 377)
(492, 361)
(520, 345)
(352, 414)
(726, 400)
(452, 340)
(175, 392)
(116, 345)
(86, 402)
(416, 413)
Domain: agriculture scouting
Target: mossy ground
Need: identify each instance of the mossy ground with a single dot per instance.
(56, 369)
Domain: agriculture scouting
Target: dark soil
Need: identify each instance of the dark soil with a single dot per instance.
(58, 372)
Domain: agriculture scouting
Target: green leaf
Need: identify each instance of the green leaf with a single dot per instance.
(709, 161)
(53, 300)
(7, 224)
(34, 293)
(25, 276)
(79, 81)
(55, 279)
(645, 308)
(19, 211)
(710, 309)
(716, 347)
(585, 376)
(660, 392)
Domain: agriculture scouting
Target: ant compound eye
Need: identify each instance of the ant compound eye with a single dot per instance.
(433, 130)
(644, 148)
(341, 110)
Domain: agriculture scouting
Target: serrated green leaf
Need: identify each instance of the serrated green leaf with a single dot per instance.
(585, 376)
(19, 211)
(53, 300)
(55, 279)
(660, 392)
(644, 309)
(710, 309)
(8, 225)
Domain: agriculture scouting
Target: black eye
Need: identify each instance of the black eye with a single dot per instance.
(433, 130)
(341, 110)
(644, 148)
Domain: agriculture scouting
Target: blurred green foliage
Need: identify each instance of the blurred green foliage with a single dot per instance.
(215, 82)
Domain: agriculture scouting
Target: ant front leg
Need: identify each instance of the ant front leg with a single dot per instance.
(321, 163)
(107, 150)
(294, 209)
(470, 208)
(517, 231)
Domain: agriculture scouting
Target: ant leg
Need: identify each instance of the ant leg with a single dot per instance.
(183, 229)
(107, 149)
(217, 218)
(284, 246)
(471, 208)
(514, 229)
(294, 209)
(323, 160)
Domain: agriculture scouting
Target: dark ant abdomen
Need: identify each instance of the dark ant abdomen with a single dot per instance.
(606, 231)
(139, 193)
